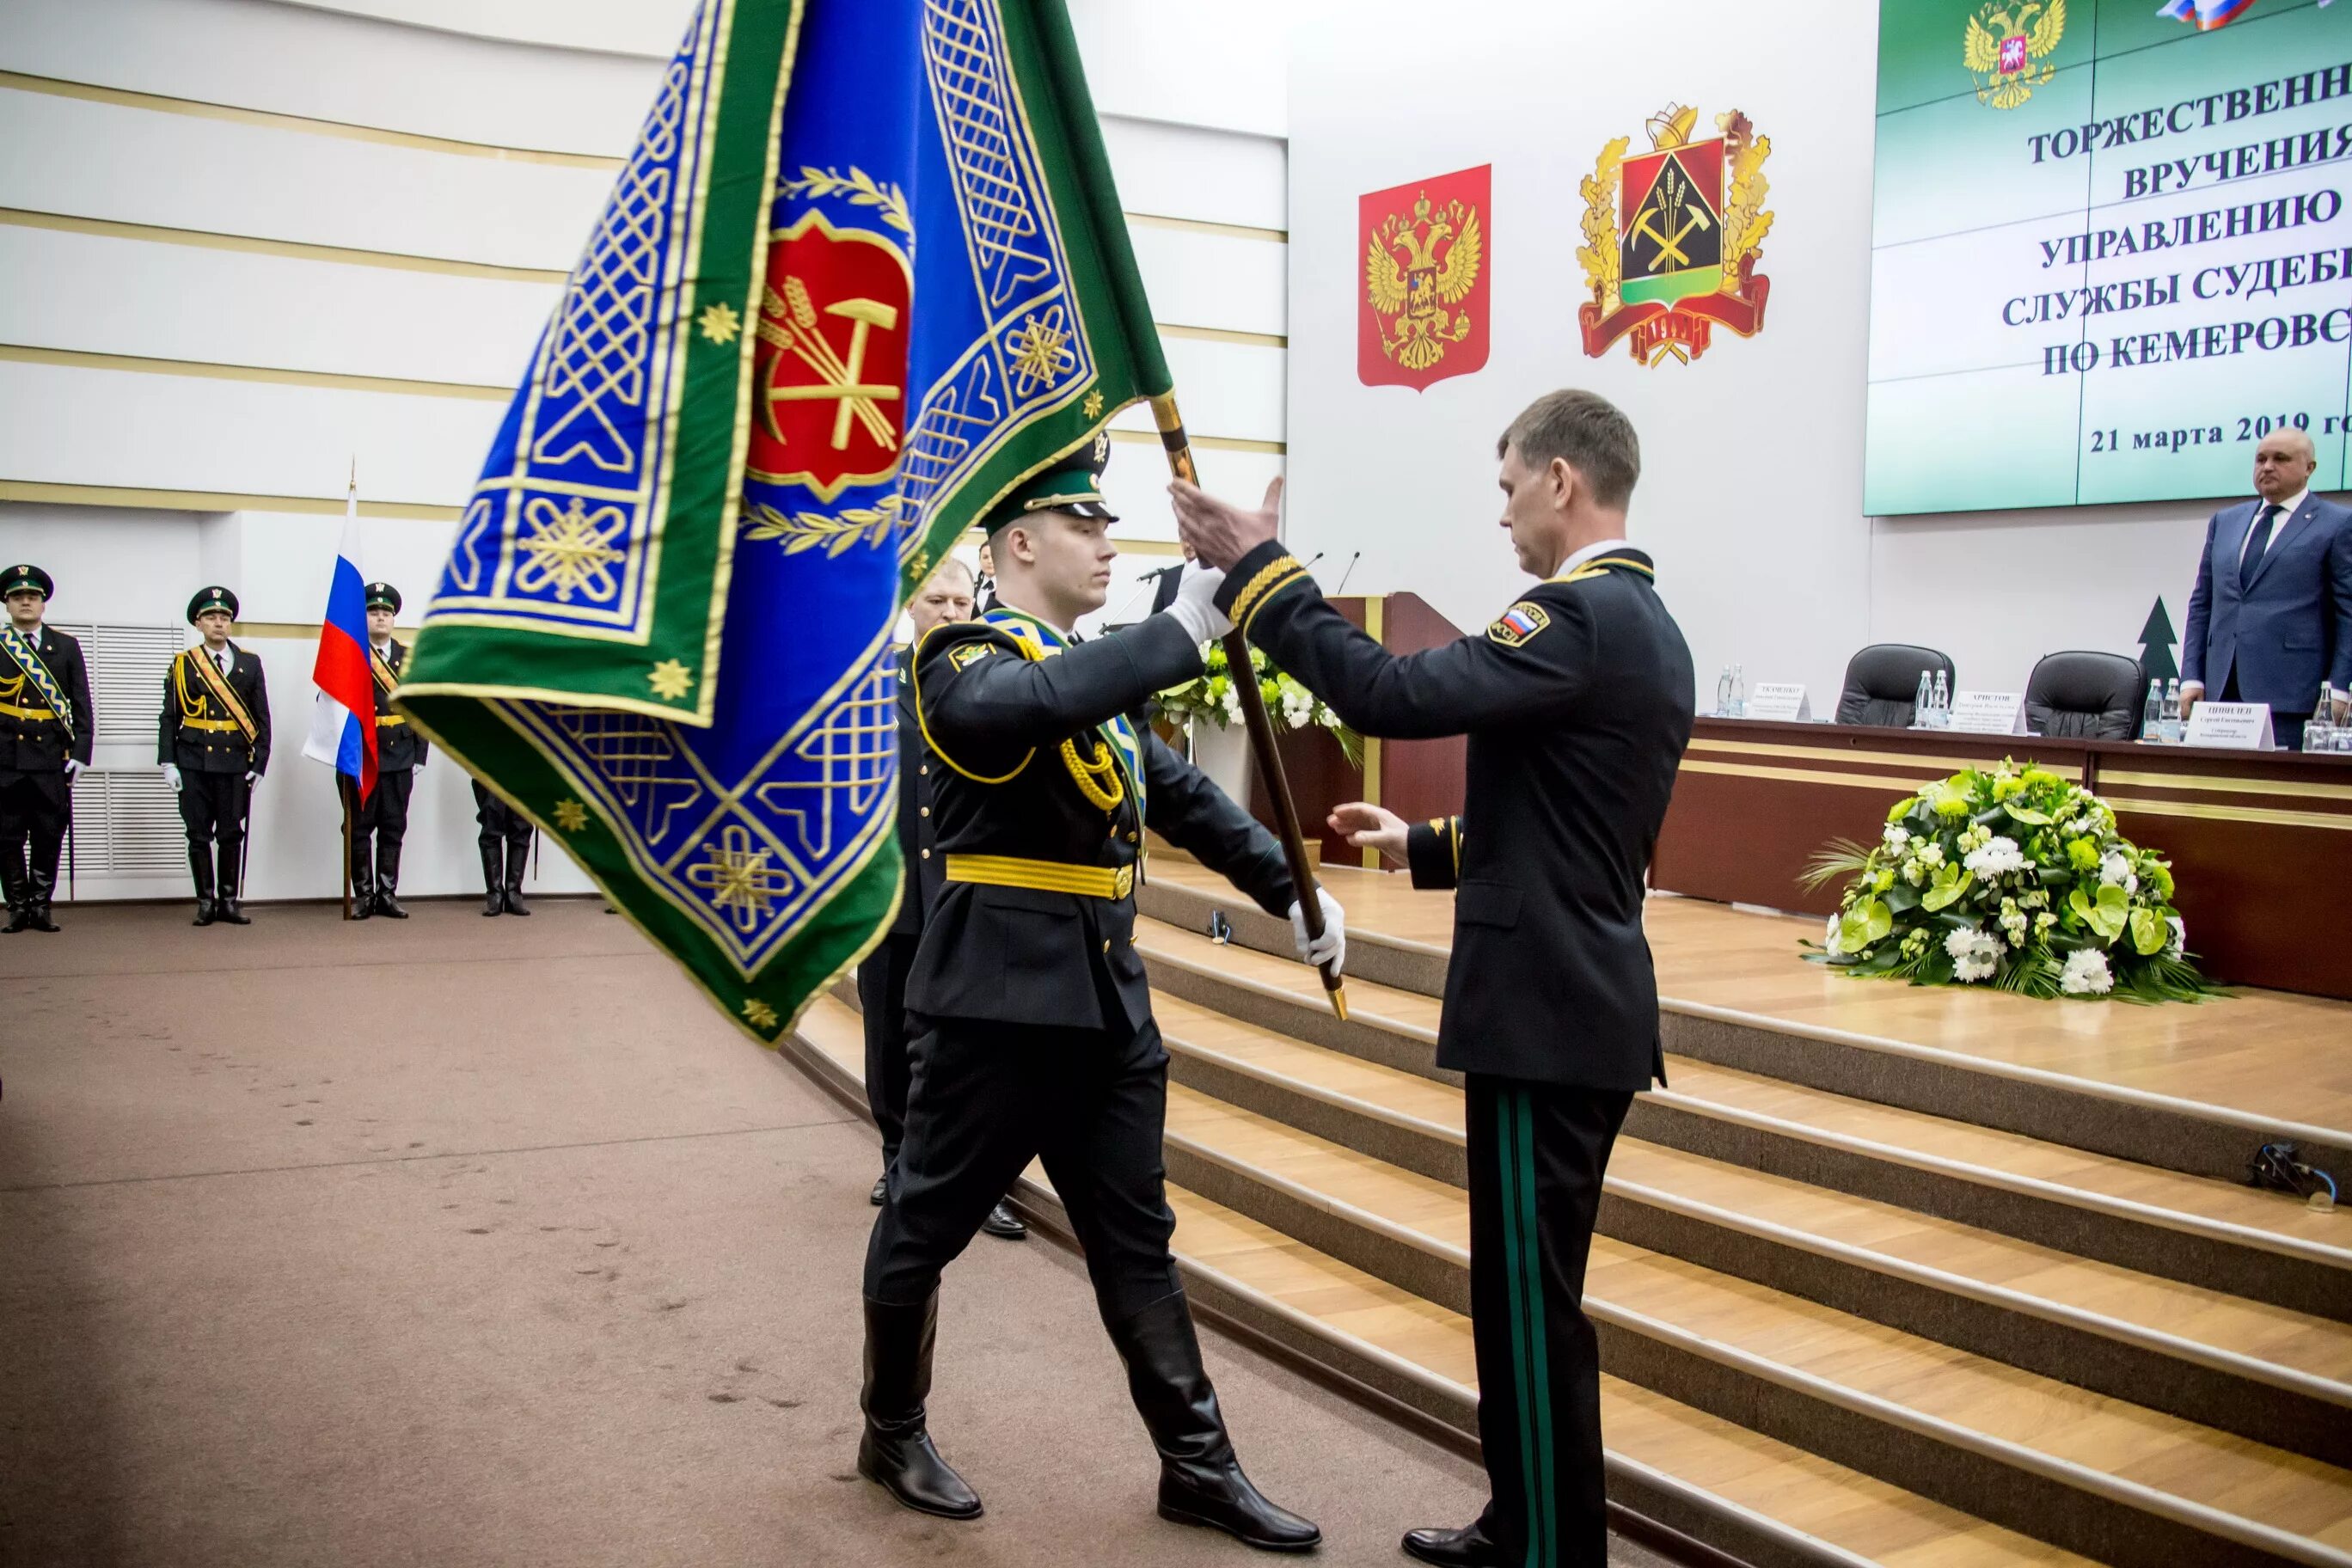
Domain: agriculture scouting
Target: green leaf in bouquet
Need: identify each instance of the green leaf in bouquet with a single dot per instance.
(1867, 921)
(2148, 933)
(2027, 814)
(1902, 898)
(1952, 882)
(2105, 914)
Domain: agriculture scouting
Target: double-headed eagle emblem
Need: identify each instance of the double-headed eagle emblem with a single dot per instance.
(2007, 47)
(1415, 269)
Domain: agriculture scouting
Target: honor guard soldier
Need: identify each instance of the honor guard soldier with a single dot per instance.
(945, 595)
(1034, 1016)
(380, 823)
(46, 730)
(1578, 704)
(505, 841)
(214, 743)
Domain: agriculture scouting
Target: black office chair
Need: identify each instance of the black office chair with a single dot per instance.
(2084, 696)
(1881, 680)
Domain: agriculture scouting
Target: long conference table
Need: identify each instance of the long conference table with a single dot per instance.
(2260, 842)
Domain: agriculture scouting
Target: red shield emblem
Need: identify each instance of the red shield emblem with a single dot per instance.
(829, 379)
(1422, 315)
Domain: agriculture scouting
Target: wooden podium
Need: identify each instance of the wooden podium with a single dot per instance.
(1416, 779)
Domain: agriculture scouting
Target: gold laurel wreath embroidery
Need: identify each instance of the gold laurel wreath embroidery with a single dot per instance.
(837, 532)
(1598, 251)
(859, 188)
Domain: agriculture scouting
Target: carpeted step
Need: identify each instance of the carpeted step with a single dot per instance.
(2083, 1470)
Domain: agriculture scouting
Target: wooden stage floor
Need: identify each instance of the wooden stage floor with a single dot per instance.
(2278, 1062)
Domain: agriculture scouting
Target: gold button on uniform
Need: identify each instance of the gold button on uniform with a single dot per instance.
(925, 810)
(1106, 944)
(926, 854)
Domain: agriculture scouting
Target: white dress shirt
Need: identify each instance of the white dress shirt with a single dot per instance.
(1589, 552)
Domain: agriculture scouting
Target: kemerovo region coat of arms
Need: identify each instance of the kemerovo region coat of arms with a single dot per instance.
(1423, 315)
(1672, 238)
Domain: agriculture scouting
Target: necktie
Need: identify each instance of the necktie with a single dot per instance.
(221, 660)
(2256, 542)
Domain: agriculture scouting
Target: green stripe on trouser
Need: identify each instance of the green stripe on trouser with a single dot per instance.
(1531, 1359)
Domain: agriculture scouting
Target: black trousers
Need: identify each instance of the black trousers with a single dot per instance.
(1537, 1153)
(497, 819)
(889, 1065)
(986, 1097)
(378, 823)
(2286, 729)
(34, 811)
(213, 807)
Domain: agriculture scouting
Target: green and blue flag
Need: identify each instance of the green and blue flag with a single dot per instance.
(864, 271)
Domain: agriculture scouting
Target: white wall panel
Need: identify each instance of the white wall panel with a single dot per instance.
(1135, 485)
(260, 53)
(103, 295)
(1198, 279)
(622, 26)
(286, 561)
(1224, 389)
(136, 166)
(1188, 171)
(71, 426)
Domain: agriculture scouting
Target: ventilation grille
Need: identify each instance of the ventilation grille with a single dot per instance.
(127, 824)
(127, 665)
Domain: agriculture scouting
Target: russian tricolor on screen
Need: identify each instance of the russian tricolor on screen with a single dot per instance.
(2206, 14)
(343, 722)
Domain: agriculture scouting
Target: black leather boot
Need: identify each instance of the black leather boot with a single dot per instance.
(225, 908)
(494, 899)
(896, 1450)
(362, 888)
(200, 867)
(16, 884)
(1201, 1482)
(518, 858)
(387, 879)
(36, 904)
(1469, 1547)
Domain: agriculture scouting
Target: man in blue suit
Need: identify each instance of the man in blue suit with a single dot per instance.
(2271, 618)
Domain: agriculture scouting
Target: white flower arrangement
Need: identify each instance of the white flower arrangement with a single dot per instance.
(1996, 858)
(1212, 698)
(2087, 974)
(1975, 956)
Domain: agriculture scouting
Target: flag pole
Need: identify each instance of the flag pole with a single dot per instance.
(1260, 725)
(343, 790)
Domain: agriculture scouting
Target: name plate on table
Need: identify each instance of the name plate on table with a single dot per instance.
(2231, 726)
(1988, 712)
(1783, 701)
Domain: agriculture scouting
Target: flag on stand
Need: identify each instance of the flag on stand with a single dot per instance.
(342, 714)
(864, 271)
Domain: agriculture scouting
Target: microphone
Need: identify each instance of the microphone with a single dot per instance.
(1350, 572)
(1163, 572)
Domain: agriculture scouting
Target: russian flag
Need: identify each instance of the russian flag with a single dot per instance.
(2206, 14)
(342, 719)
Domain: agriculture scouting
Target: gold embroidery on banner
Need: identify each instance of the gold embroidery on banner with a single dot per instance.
(738, 878)
(859, 188)
(720, 322)
(1094, 404)
(807, 530)
(760, 1016)
(570, 817)
(671, 679)
(1040, 349)
(571, 550)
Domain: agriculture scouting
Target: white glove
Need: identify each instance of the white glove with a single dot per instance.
(171, 776)
(1329, 950)
(250, 778)
(74, 765)
(1195, 608)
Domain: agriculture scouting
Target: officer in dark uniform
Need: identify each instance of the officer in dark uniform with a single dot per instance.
(1578, 704)
(1036, 1016)
(380, 823)
(214, 743)
(505, 841)
(46, 730)
(945, 595)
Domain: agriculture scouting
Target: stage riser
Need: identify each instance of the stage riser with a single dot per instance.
(2144, 1375)
(1863, 1440)
(1422, 1153)
(1370, 956)
(2215, 1263)
(1312, 1022)
(2149, 1136)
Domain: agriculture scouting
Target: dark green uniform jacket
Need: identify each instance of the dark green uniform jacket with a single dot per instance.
(1578, 703)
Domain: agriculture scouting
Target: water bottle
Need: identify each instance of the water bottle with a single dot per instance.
(1739, 691)
(1723, 693)
(2171, 724)
(1923, 704)
(2151, 715)
(2319, 733)
(1943, 703)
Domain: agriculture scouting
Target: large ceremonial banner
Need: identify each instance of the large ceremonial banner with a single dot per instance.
(864, 270)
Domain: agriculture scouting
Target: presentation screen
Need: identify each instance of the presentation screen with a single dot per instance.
(2110, 248)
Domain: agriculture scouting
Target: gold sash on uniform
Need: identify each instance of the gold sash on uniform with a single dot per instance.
(216, 687)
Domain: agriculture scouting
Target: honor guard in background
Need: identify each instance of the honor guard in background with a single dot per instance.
(1035, 1036)
(380, 823)
(214, 743)
(46, 730)
(505, 840)
(945, 595)
(1578, 704)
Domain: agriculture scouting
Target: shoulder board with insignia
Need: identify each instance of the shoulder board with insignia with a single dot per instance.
(970, 653)
(1519, 624)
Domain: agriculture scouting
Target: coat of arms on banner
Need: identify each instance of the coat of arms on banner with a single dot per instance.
(2007, 47)
(1423, 316)
(1672, 238)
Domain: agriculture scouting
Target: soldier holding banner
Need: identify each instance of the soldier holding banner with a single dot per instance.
(380, 823)
(212, 741)
(46, 730)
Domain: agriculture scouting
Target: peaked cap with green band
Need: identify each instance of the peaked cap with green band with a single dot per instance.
(1073, 484)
